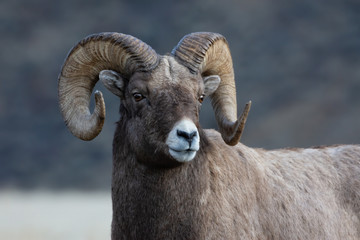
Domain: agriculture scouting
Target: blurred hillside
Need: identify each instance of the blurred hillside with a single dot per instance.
(298, 61)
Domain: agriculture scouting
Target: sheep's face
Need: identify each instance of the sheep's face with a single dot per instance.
(160, 111)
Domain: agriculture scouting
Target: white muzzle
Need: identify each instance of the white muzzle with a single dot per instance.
(183, 141)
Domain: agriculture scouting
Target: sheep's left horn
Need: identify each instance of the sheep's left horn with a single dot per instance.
(122, 53)
(209, 54)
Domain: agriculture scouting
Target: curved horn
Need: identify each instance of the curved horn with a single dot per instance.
(209, 54)
(80, 72)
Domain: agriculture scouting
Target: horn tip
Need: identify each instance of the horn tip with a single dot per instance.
(234, 130)
(98, 94)
(100, 107)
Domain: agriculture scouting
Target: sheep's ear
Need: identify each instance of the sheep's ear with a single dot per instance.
(113, 82)
(211, 84)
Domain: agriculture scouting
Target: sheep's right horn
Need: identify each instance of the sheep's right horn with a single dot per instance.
(209, 54)
(112, 51)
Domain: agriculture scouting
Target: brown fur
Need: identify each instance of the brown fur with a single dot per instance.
(225, 192)
(240, 193)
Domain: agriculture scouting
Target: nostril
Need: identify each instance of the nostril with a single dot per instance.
(183, 134)
(188, 136)
(193, 134)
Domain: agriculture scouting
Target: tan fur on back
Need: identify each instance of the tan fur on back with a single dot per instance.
(286, 194)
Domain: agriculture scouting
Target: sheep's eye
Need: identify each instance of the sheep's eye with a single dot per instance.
(201, 98)
(138, 97)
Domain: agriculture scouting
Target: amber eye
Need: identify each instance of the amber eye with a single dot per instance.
(201, 98)
(138, 97)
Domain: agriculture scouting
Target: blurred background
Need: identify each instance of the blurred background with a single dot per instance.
(298, 61)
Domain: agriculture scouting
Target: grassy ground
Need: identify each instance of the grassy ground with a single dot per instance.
(55, 215)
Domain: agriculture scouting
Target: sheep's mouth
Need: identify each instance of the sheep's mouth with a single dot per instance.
(185, 155)
(179, 151)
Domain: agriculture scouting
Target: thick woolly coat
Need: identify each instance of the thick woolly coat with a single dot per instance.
(238, 193)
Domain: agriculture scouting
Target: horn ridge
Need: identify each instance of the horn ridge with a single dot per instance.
(192, 48)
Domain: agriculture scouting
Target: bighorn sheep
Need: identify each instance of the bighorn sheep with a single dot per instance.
(174, 180)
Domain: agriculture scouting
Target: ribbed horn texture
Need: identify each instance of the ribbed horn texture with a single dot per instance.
(209, 54)
(122, 53)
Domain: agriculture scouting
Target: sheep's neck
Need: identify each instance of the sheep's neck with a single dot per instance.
(148, 201)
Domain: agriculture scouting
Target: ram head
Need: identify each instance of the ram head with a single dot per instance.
(160, 96)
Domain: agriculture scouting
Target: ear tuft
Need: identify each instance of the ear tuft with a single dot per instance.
(113, 82)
